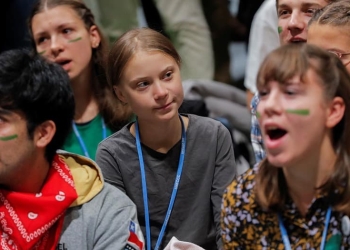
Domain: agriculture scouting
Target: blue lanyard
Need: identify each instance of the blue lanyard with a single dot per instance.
(81, 141)
(285, 237)
(144, 185)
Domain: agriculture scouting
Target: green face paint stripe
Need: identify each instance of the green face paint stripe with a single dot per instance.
(42, 52)
(279, 29)
(74, 40)
(257, 114)
(298, 111)
(8, 138)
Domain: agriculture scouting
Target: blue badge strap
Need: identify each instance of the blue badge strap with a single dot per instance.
(285, 237)
(81, 141)
(104, 129)
(325, 230)
(144, 185)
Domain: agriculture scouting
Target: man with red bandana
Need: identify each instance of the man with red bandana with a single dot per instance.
(48, 199)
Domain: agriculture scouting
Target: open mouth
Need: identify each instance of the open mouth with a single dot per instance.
(275, 133)
(62, 63)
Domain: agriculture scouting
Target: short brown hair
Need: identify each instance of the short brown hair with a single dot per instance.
(281, 65)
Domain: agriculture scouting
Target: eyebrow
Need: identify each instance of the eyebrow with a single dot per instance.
(303, 5)
(142, 78)
(311, 5)
(62, 25)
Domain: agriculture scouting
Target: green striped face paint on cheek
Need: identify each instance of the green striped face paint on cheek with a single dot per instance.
(42, 52)
(279, 29)
(257, 114)
(303, 112)
(8, 138)
(75, 40)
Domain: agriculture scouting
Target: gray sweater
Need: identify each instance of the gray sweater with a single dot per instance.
(208, 168)
(102, 215)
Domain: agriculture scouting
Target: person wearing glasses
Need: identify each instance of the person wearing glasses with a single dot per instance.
(328, 30)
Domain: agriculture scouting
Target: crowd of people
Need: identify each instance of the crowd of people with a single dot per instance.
(97, 152)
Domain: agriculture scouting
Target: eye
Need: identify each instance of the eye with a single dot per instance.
(262, 93)
(310, 12)
(283, 13)
(168, 75)
(41, 40)
(66, 30)
(291, 90)
(142, 85)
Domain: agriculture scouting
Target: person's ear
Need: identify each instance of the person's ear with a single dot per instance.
(44, 133)
(336, 111)
(120, 94)
(95, 37)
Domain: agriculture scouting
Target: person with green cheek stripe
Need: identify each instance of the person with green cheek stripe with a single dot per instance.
(57, 196)
(65, 32)
(293, 18)
(298, 197)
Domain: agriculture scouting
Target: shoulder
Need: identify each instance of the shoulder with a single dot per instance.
(121, 137)
(240, 195)
(112, 196)
(203, 123)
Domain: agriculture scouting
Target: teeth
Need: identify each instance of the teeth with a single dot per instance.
(272, 128)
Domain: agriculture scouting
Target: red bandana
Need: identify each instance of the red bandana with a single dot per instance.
(34, 221)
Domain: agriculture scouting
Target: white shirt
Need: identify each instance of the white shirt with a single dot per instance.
(263, 39)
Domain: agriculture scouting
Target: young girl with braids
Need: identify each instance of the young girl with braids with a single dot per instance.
(65, 32)
(298, 197)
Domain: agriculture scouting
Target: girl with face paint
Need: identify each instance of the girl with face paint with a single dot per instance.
(299, 194)
(65, 32)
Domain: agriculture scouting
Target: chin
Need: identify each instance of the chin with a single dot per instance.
(278, 160)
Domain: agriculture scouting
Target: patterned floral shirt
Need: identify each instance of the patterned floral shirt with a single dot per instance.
(246, 226)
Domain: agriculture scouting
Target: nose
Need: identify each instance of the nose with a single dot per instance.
(270, 105)
(297, 22)
(160, 90)
(56, 46)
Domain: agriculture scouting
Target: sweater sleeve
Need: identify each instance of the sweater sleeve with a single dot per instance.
(225, 171)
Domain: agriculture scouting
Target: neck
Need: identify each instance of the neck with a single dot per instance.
(160, 137)
(305, 177)
(86, 105)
